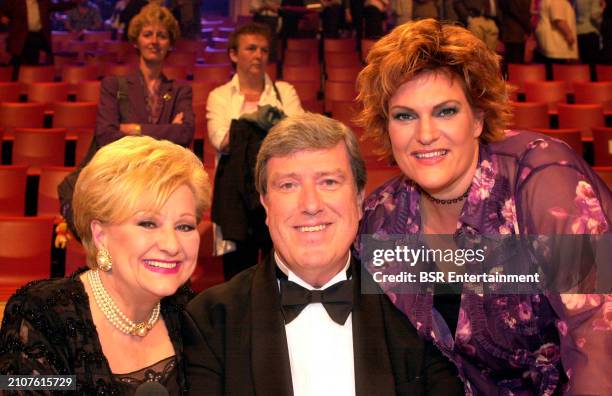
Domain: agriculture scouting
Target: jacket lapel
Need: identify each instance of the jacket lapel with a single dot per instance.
(373, 371)
(168, 99)
(269, 351)
(138, 107)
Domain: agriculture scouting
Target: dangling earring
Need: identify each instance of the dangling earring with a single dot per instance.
(104, 260)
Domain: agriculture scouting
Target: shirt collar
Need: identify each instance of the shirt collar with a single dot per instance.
(340, 276)
(235, 84)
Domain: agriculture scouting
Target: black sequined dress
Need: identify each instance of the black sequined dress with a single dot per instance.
(48, 329)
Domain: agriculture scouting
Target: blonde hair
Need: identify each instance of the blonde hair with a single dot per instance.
(132, 174)
(151, 14)
(430, 46)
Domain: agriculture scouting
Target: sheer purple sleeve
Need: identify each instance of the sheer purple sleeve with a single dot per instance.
(556, 202)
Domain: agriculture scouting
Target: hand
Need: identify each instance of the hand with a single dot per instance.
(130, 129)
(178, 119)
(4, 20)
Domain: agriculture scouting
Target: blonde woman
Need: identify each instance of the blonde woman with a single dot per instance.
(115, 325)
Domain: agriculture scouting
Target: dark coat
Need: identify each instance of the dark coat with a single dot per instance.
(178, 99)
(472, 8)
(236, 207)
(235, 343)
(17, 12)
(515, 21)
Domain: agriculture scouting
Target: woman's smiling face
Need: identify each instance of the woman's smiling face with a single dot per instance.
(434, 133)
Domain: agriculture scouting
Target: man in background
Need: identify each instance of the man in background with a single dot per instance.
(29, 29)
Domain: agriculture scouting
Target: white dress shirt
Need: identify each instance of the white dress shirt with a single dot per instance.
(320, 350)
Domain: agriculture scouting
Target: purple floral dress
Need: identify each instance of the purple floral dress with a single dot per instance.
(540, 344)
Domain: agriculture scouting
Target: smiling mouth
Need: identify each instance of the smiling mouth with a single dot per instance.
(431, 154)
(161, 264)
(316, 228)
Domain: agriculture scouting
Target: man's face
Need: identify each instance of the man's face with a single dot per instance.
(251, 56)
(313, 211)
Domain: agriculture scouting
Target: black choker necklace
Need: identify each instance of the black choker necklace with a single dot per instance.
(446, 201)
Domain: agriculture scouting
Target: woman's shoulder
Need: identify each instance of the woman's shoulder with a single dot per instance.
(47, 295)
(534, 150)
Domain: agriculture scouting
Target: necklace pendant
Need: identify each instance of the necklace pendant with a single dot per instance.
(141, 330)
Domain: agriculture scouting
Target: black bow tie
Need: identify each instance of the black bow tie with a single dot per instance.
(336, 299)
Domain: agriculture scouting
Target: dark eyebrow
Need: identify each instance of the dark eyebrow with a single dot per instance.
(436, 107)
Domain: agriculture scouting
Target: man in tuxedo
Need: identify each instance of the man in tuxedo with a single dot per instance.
(298, 323)
(29, 23)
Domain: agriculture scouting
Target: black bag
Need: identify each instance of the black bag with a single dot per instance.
(65, 189)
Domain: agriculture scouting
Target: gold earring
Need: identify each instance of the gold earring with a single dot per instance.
(104, 260)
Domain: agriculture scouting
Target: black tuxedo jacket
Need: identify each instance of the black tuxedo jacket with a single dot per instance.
(235, 343)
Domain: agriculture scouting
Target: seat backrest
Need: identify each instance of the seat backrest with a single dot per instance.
(219, 73)
(602, 144)
(48, 92)
(88, 91)
(10, 91)
(338, 45)
(294, 44)
(25, 251)
(20, 115)
(581, 116)
(306, 90)
(50, 178)
(73, 115)
(338, 91)
(551, 92)
(342, 59)
(529, 115)
(74, 74)
(6, 73)
(298, 58)
(604, 72)
(571, 74)
(212, 56)
(518, 74)
(605, 172)
(302, 73)
(347, 74)
(594, 92)
(13, 189)
(37, 147)
(32, 74)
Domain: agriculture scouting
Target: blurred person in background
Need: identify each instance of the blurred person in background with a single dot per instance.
(588, 23)
(115, 325)
(556, 34)
(515, 28)
(29, 29)
(85, 16)
(250, 91)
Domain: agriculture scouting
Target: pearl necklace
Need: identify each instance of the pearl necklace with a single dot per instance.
(113, 314)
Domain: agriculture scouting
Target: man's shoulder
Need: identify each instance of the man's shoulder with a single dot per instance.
(234, 292)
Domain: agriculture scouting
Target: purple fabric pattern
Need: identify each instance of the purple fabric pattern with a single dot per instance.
(545, 344)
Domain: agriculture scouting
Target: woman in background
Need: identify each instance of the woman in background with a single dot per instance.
(145, 102)
(115, 325)
(434, 98)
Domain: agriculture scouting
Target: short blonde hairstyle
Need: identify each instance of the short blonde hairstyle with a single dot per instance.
(131, 174)
(431, 46)
(151, 14)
